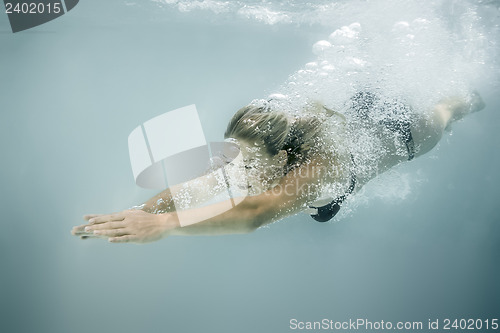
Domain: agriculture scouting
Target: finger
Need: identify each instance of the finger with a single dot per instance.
(89, 216)
(123, 239)
(104, 226)
(107, 218)
(85, 234)
(79, 230)
(111, 233)
(89, 236)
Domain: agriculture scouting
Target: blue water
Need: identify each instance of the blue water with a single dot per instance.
(421, 243)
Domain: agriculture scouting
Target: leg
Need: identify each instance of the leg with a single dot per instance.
(428, 131)
(455, 108)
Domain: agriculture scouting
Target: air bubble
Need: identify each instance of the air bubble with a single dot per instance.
(321, 46)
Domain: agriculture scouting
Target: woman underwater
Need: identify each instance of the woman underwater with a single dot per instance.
(308, 163)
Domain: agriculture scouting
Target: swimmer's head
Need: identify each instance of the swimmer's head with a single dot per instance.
(283, 139)
(261, 170)
(257, 123)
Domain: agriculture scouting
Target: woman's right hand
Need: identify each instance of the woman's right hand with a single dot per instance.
(131, 225)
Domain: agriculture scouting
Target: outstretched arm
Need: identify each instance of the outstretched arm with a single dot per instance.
(198, 190)
(298, 188)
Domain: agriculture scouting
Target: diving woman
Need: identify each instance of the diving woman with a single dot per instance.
(308, 161)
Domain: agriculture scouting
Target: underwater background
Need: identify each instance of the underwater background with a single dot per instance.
(420, 242)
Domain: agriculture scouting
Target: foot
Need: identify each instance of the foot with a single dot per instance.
(475, 101)
(460, 107)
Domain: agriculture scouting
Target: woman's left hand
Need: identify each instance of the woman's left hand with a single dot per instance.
(128, 226)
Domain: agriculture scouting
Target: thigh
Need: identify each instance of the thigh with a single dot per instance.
(426, 132)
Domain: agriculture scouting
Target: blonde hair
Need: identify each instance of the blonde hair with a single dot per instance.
(276, 131)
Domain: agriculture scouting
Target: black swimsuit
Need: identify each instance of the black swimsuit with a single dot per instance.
(327, 212)
(362, 103)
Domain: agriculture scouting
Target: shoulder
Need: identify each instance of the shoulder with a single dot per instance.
(299, 188)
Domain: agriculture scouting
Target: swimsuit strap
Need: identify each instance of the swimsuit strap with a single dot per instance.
(410, 145)
(403, 129)
(327, 212)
